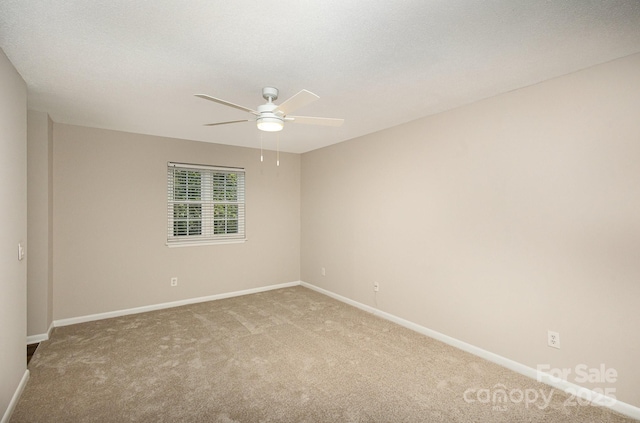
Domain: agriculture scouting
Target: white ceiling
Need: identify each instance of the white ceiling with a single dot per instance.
(135, 65)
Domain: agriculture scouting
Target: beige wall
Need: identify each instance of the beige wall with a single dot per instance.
(13, 215)
(39, 199)
(496, 222)
(110, 220)
(50, 222)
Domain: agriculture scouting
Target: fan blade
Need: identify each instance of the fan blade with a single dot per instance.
(226, 103)
(308, 120)
(299, 100)
(224, 123)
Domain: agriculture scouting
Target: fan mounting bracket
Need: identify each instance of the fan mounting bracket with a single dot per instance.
(270, 93)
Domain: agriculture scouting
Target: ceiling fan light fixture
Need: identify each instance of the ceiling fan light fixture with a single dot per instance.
(270, 124)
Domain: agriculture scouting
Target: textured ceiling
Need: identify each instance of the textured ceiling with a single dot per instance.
(135, 65)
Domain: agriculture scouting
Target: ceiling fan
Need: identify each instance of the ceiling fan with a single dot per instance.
(271, 117)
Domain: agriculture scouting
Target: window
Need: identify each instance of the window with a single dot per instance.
(205, 204)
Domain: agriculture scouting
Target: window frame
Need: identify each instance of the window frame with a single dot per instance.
(216, 201)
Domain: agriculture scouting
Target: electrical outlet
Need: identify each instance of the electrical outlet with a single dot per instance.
(174, 281)
(376, 286)
(553, 339)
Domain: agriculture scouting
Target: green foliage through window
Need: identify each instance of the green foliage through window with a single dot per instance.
(187, 216)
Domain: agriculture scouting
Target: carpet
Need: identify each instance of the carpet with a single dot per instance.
(288, 355)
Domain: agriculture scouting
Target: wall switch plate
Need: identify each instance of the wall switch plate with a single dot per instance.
(323, 272)
(553, 339)
(376, 286)
(20, 251)
(174, 281)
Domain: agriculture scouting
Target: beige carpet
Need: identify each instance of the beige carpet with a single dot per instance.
(290, 355)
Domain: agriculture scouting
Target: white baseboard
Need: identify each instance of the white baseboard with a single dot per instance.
(41, 337)
(144, 309)
(36, 339)
(16, 397)
(571, 388)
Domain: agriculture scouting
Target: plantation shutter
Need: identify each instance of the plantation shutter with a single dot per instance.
(205, 204)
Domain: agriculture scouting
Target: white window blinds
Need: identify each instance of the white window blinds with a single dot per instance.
(205, 204)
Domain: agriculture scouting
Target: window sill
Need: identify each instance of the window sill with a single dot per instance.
(201, 243)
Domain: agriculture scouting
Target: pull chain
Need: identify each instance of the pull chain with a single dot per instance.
(278, 150)
(261, 155)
